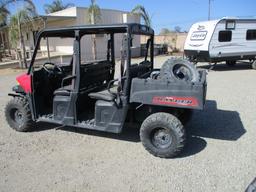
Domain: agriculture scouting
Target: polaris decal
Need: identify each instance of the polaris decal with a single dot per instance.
(172, 100)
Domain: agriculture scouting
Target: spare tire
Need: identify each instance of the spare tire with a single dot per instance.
(179, 69)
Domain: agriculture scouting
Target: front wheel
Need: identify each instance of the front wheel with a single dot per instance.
(18, 114)
(163, 135)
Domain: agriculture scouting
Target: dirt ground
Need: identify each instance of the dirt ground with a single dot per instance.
(219, 156)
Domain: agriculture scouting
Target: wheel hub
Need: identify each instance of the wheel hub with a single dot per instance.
(162, 138)
(182, 73)
(18, 117)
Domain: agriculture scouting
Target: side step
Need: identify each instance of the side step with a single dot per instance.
(48, 118)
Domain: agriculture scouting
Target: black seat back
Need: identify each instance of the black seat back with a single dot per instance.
(139, 70)
(95, 75)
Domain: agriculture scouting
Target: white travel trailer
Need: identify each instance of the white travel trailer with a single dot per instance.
(226, 39)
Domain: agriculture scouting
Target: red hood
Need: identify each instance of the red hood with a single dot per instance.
(25, 82)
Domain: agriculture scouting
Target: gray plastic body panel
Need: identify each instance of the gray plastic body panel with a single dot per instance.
(173, 94)
(109, 117)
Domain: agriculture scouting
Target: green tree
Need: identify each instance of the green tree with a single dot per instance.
(177, 29)
(14, 36)
(165, 31)
(94, 17)
(24, 18)
(141, 11)
(4, 12)
(4, 4)
(56, 5)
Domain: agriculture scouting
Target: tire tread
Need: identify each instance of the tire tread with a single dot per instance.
(168, 120)
(28, 122)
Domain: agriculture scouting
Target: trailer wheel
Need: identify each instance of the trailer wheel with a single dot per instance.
(231, 63)
(163, 135)
(254, 64)
(18, 114)
(179, 69)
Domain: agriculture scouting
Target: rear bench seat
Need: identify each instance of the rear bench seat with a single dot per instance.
(135, 71)
(93, 77)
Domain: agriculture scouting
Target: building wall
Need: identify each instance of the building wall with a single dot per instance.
(173, 40)
(181, 38)
(79, 16)
(107, 17)
(72, 11)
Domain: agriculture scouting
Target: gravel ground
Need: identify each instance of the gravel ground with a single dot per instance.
(220, 154)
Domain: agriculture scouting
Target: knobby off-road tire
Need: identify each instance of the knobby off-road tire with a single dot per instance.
(179, 69)
(254, 64)
(231, 63)
(163, 135)
(18, 114)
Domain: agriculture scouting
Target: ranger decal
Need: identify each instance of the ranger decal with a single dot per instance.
(173, 100)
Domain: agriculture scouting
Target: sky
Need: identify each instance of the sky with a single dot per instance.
(171, 13)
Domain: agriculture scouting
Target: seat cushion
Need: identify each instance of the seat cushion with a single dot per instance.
(102, 95)
(63, 91)
(105, 95)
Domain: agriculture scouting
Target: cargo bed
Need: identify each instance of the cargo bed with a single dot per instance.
(177, 93)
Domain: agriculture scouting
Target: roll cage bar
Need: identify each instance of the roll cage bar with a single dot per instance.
(77, 32)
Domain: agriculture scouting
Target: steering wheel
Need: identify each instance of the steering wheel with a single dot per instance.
(54, 70)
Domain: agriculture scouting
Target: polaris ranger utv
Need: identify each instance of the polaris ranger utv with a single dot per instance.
(87, 95)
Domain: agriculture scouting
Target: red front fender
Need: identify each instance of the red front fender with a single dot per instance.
(24, 81)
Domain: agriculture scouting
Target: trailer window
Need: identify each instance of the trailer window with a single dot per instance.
(225, 36)
(230, 25)
(251, 34)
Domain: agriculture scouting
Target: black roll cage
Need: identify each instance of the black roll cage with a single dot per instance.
(77, 32)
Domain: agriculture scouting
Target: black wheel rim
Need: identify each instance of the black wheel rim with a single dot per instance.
(161, 138)
(182, 72)
(17, 116)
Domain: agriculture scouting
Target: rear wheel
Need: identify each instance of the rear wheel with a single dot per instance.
(18, 114)
(231, 63)
(163, 135)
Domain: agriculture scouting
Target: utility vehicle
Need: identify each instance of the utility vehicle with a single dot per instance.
(88, 94)
(227, 39)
